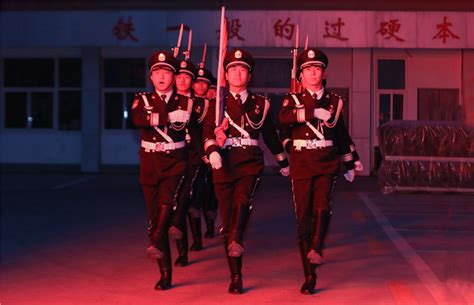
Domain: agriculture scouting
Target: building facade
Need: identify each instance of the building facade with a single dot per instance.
(67, 78)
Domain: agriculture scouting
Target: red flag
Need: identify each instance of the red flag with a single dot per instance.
(221, 83)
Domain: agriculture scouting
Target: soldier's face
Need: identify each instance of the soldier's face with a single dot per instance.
(312, 76)
(162, 79)
(238, 76)
(200, 87)
(211, 93)
(183, 82)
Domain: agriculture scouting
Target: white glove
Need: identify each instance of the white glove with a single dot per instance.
(215, 160)
(285, 171)
(358, 166)
(322, 114)
(350, 175)
(179, 116)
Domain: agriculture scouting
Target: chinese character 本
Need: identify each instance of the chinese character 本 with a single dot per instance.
(284, 30)
(388, 29)
(336, 30)
(123, 30)
(444, 31)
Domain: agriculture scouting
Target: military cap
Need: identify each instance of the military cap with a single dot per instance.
(312, 57)
(163, 59)
(185, 66)
(239, 56)
(205, 75)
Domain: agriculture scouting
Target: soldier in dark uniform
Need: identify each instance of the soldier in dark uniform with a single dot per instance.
(205, 199)
(355, 155)
(196, 169)
(313, 132)
(162, 117)
(238, 165)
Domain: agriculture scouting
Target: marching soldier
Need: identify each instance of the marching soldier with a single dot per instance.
(205, 198)
(195, 173)
(313, 132)
(238, 165)
(162, 117)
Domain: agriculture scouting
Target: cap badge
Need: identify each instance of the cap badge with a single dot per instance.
(161, 57)
(311, 54)
(238, 54)
(201, 72)
(183, 64)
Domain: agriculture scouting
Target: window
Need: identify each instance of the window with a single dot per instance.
(35, 87)
(267, 80)
(16, 111)
(390, 89)
(390, 108)
(439, 105)
(391, 74)
(268, 73)
(123, 77)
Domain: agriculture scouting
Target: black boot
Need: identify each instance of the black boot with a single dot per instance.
(182, 246)
(159, 231)
(165, 270)
(195, 224)
(210, 232)
(164, 263)
(240, 219)
(235, 267)
(309, 269)
(321, 220)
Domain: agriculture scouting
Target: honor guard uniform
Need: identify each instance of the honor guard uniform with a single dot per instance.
(195, 177)
(162, 116)
(238, 165)
(314, 134)
(205, 199)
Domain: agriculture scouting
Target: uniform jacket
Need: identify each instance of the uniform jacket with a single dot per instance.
(154, 166)
(254, 117)
(306, 163)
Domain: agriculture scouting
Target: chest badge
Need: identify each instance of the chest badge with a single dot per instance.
(257, 109)
(331, 109)
(198, 109)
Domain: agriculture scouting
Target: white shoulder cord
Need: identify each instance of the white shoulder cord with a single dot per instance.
(259, 124)
(163, 134)
(338, 112)
(182, 125)
(314, 129)
(204, 112)
(242, 131)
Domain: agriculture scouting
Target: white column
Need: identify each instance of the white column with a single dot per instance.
(361, 106)
(91, 119)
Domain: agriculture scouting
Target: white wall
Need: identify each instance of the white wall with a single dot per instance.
(120, 147)
(430, 69)
(40, 147)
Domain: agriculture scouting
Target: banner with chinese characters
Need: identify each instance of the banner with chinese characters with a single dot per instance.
(335, 29)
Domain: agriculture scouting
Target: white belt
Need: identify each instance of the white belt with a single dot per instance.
(239, 142)
(311, 143)
(162, 146)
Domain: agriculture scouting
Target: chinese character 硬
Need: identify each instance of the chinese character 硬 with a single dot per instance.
(389, 29)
